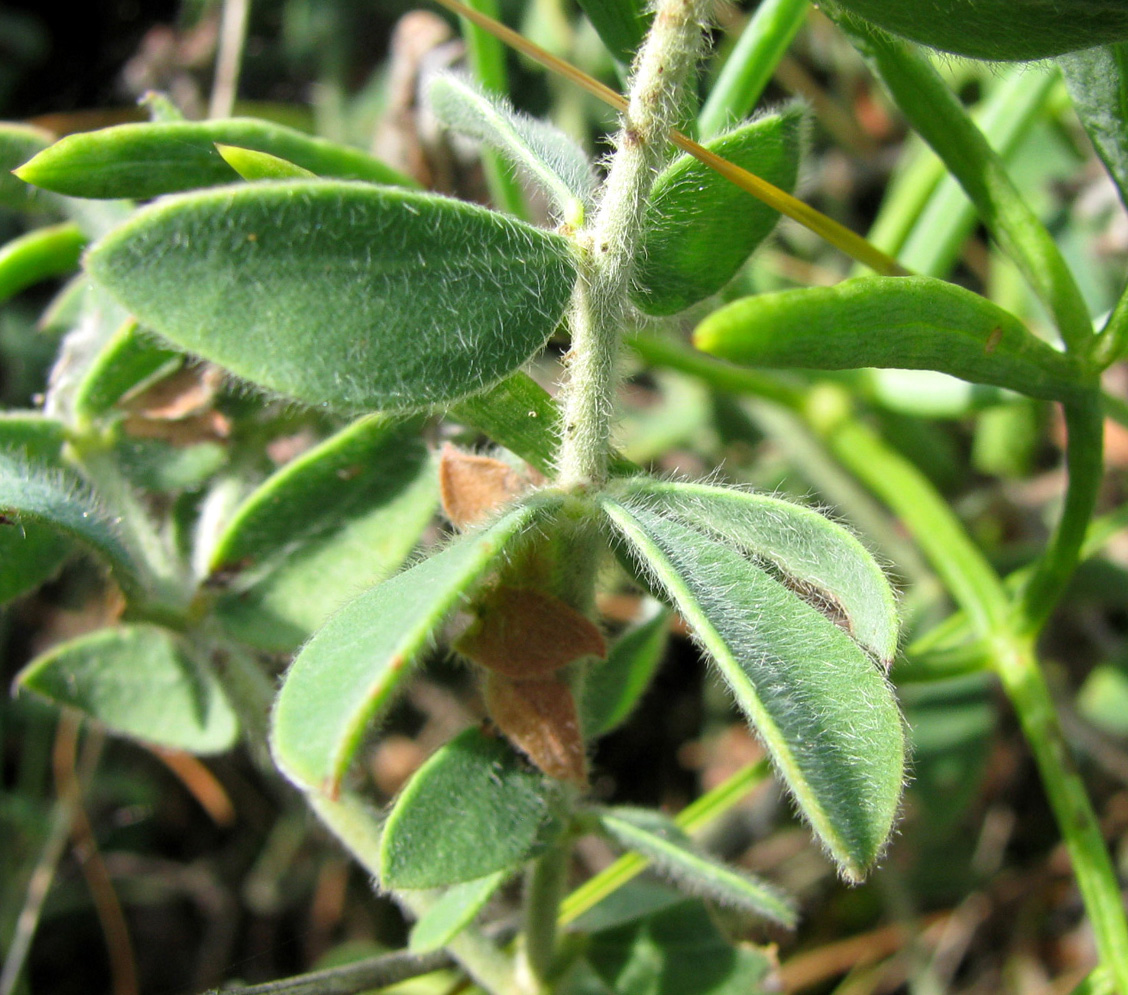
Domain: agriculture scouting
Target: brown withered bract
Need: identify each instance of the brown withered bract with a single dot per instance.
(526, 634)
(473, 486)
(540, 718)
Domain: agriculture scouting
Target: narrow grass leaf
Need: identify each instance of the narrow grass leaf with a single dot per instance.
(252, 165)
(1097, 80)
(700, 228)
(818, 557)
(818, 703)
(453, 913)
(139, 161)
(139, 681)
(680, 951)
(698, 873)
(127, 361)
(32, 494)
(915, 323)
(347, 674)
(540, 152)
(344, 295)
(473, 809)
(612, 688)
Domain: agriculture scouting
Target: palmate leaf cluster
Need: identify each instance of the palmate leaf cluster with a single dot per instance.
(314, 275)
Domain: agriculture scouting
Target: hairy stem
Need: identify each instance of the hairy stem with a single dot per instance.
(609, 245)
(544, 889)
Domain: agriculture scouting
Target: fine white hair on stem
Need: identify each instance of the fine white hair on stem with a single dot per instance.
(608, 246)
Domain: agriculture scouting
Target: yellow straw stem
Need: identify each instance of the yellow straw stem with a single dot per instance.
(825, 227)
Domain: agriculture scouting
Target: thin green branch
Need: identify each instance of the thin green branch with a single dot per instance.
(1025, 685)
(749, 67)
(364, 975)
(935, 113)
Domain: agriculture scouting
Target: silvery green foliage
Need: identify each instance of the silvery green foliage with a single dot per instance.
(540, 152)
(816, 699)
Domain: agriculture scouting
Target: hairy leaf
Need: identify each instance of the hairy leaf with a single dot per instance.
(679, 951)
(821, 707)
(915, 323)
(453, 912)
(342, 294)
(1007, 30)
(139, 161)
(474, 808)
(539, 151)
(700, 228)
(139, 681)
(347, 674)
(820, 557)
(127, 361)
(1097, 80)
(34, 495)
(674, 855)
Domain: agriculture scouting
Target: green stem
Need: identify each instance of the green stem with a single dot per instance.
(1112, 343)
(935, 113)
(609, 246)
(543, 891)
(1025, 685)
(1083, 454)
(749, 67)
(487, 59)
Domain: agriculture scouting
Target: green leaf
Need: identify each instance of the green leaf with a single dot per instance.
(674, 855)
(1097, 80)
(35, 436)
(346, 675)
(139, 681)
(1007, 30)
(622, 24)
(335, 521)
(18, 143)
(31, 555)
(679, 951)
(365, 463)
(915, 323)
(39, 255)
(613, 688)
(474, 808)
(517, 413)
(453, 912)
(252, 165)
(700, 228)
(127, 361)
(342, 294)
(817, 556)
(30, 552)
(540, 152)
(817, 701)
(31, 494)
(139, 161)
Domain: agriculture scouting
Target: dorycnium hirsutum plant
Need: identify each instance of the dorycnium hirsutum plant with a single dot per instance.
(317, 275)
